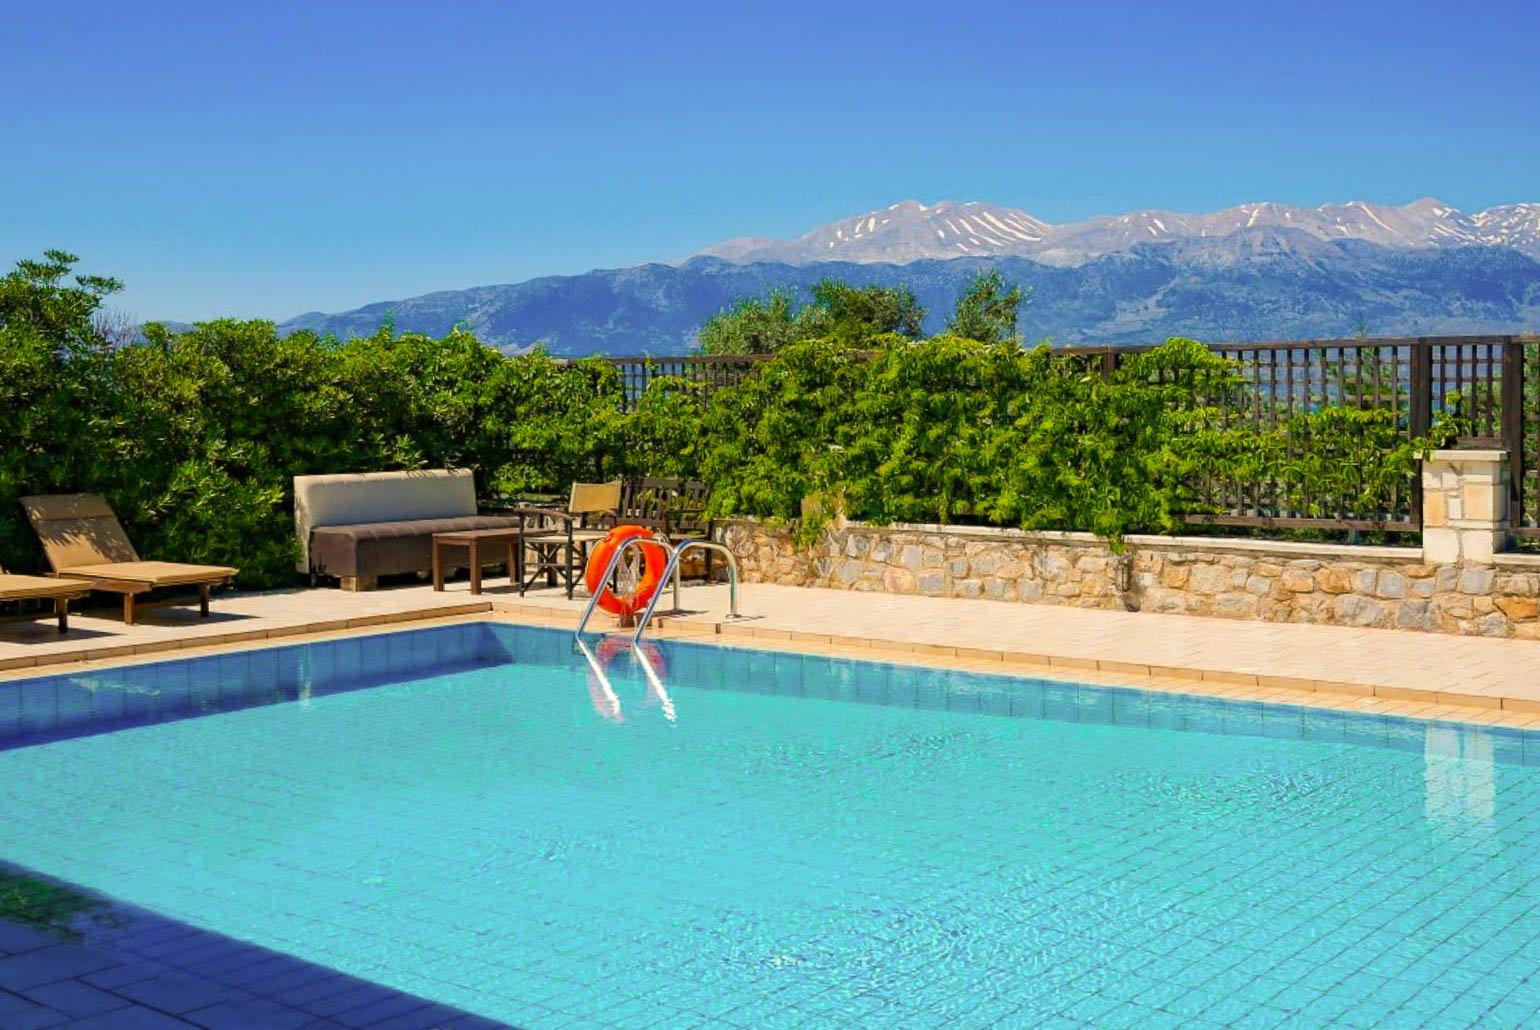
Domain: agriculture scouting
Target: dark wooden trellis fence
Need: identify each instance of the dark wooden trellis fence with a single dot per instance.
(1495, 378)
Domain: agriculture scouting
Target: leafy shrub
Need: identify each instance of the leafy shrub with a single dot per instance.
(195, 437)
(950, 429)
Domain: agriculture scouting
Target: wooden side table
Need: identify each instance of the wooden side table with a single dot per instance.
(473, 540)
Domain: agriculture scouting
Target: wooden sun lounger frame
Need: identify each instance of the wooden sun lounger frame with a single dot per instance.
(84, 541)
(43, 588)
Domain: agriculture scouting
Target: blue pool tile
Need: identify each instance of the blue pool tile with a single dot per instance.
(38, 1018)
(786, 672)
(871, 683)
(382, 1011)
(262, 668)
(1094, 705)
(244, 1013)
(50, 965)
(177, 993)
(113, 977)
(355, 997)
(930, 687)
(1061, 702)
(12, 1004)
(1203, 717)
(375, 657)
(349, 656)
(399, 650)
(229, 678)
(1404, 735)
(135, 1018)
(1323, 724)
(289, 669)
(173, 682)
(1240, 718)
(760, 671)
(75, 998)
(1167, 712)
(424, 649)
(74, 701)
(39, 703)
(16, 938)
(1131, 708)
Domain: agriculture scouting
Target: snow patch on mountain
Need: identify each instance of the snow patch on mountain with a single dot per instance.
(912, 231)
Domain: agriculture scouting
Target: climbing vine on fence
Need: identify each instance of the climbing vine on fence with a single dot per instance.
(954, 430)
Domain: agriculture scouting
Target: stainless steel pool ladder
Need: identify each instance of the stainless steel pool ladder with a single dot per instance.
(611, 699)
(671, 570)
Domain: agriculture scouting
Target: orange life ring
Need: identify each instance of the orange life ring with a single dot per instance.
(652, 575)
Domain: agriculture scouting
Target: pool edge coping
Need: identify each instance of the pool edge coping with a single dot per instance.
(1219, 684)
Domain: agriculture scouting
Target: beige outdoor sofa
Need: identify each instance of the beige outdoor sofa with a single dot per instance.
(85, 543)
(361, 526)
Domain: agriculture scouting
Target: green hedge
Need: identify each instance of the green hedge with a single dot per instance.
(196, 437)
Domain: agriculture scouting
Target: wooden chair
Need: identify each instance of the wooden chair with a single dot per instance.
(559, 540)
(643, 502)
(687, 518)
(84, 542)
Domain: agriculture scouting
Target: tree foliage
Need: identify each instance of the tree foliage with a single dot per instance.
(850, 316)
(854, 316)
(754, 325)
(987, 310)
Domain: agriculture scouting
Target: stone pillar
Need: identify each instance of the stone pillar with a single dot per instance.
(1464, 506)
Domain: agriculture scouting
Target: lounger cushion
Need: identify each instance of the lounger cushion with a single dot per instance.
(388, 548)
(21, 588)
(151, 573)
(78, 529)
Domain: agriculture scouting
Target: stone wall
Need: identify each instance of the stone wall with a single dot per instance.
(1393, 587)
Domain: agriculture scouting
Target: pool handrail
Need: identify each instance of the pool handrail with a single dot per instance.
(609, 570)
(673, 565)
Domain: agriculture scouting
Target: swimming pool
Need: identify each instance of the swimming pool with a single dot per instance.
(468, 814)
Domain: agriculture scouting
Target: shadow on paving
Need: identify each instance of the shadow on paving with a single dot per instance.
(72, 957)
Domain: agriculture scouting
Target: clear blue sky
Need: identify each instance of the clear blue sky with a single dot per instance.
(263, 159)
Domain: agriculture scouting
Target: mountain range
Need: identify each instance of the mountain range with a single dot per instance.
(1256, 271)
(910, 231)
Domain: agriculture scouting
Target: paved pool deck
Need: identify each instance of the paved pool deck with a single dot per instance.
(1418, 674)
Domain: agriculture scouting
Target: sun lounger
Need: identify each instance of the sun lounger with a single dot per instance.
(85, 542)
(43, 588)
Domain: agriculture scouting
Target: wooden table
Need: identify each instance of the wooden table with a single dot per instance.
(472, 540)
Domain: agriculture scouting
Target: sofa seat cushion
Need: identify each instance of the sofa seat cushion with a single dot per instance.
(388, 548)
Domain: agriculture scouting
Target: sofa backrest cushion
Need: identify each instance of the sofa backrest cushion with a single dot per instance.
(353, 499)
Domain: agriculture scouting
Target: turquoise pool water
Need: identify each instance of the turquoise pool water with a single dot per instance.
(468, 815)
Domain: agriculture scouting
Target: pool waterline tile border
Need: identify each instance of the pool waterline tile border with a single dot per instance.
(12, 668)
(1217, 684)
